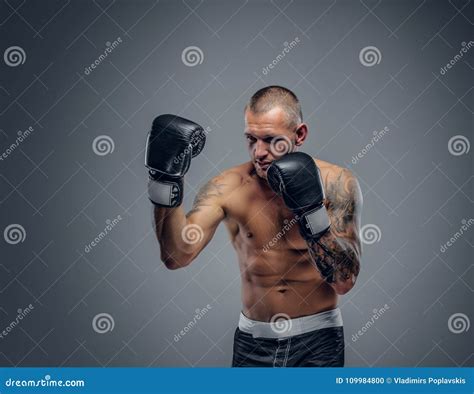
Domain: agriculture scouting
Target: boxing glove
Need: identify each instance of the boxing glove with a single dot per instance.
(171, 144)
(296, 178)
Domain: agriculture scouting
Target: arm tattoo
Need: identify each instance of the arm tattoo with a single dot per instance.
(336, 254)
(343, 203)
(335, 258)
(209, 190)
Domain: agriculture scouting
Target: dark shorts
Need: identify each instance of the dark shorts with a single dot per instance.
(319, 348)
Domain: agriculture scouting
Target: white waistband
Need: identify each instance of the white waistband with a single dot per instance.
(282, 326)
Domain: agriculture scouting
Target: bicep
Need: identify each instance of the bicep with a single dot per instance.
(345, 207)
(206, 214)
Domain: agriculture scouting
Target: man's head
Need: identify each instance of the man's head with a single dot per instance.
(273, 126)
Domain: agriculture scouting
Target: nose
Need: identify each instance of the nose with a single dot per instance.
(261, 149)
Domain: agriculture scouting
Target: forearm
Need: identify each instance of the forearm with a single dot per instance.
(337, 259)
(169, 224)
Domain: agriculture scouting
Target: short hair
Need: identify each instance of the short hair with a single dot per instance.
(273, 96)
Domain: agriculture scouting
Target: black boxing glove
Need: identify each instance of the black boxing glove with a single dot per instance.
(296, 178)
(171, 144)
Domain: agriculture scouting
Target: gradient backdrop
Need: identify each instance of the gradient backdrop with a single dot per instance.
(72, 151)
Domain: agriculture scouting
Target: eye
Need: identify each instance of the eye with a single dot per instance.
(250, 139)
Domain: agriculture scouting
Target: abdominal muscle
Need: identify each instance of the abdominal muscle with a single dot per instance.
(283, 282)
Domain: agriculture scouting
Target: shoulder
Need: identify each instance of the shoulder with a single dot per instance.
(332, 171)
(231, 178)
(339, 182)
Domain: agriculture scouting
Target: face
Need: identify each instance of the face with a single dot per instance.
(269, 137)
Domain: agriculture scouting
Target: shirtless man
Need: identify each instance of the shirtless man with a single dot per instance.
(293, 221)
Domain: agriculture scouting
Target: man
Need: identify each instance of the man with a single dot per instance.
(293, 221)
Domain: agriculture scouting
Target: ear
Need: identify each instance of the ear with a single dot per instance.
(300, 134)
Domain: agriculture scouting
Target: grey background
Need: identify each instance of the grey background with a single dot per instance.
(54, 185)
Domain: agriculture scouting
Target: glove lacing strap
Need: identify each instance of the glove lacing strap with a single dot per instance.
(164, 193)
(315, 221)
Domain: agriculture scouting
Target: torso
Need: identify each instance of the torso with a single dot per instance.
(276, 269)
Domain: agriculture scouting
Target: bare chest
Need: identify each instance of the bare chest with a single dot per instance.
(259, 219)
